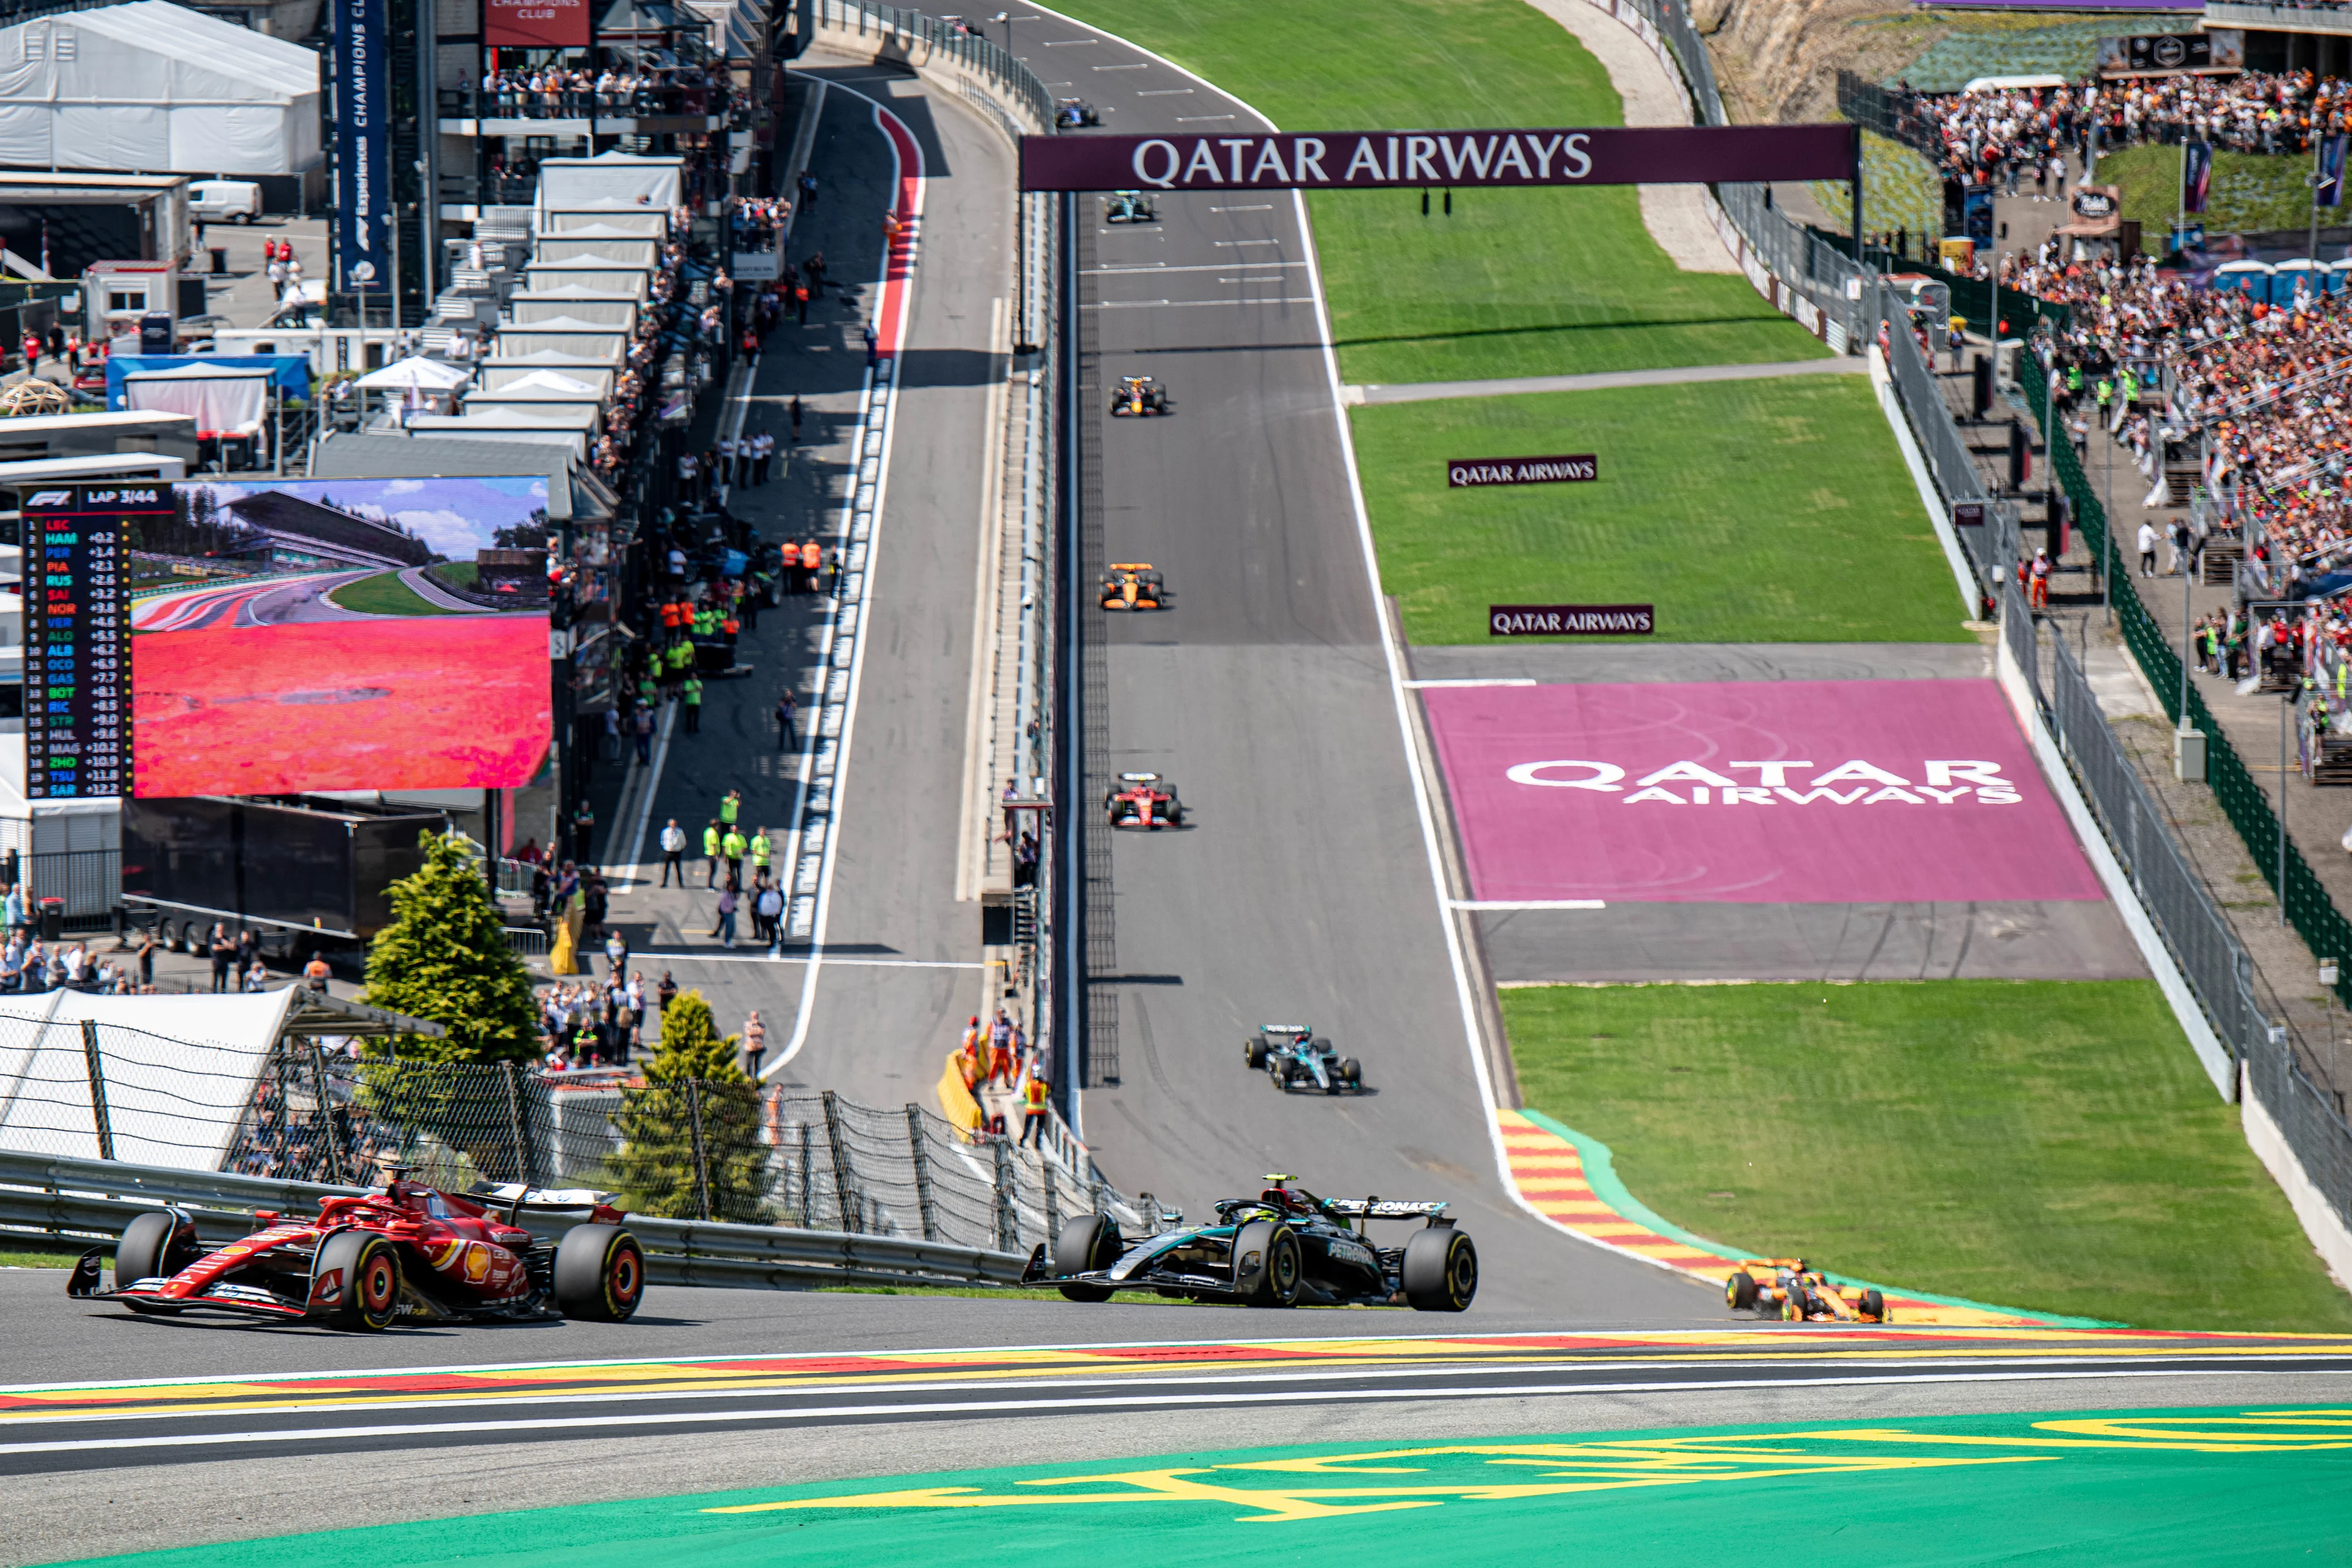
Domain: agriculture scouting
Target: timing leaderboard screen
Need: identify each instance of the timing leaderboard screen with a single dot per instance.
(77, 635)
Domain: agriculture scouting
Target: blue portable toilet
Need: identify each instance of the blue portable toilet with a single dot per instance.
(2339, 275)
(2251, 278)
(2285, 275)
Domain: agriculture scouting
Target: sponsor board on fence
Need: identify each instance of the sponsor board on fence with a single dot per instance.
(1572, 620)
(1464, 473)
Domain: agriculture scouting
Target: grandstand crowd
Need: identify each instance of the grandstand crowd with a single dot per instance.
(2004, 136)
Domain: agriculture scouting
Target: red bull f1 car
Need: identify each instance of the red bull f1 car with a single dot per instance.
(404, 1253)
(1133, 585)
(1285, 1247)
(1140, 396)
(1792, 1289)
(1143, 800)
(1291, 1056)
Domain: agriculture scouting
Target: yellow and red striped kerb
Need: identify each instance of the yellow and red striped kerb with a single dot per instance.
(1549, 1173)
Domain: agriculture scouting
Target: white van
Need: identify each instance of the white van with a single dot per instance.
(220, 201)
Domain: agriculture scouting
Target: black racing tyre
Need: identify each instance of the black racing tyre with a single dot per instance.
(1799, 1306)
(1087, 1242)
(1441, 1270)
(1351, 1072)
(365, 1270)
(1253, 1053)
(600, 1273)
(152, 1244)
(1874, 1306)
(1267, 1264)
(1739, 1291)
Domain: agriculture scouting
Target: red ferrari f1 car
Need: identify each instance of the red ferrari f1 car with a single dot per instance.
(404, 1253)
(1143, 800)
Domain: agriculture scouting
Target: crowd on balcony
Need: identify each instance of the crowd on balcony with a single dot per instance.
(577, 92)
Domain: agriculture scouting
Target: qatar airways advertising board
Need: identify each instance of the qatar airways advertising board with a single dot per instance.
(1753, 791)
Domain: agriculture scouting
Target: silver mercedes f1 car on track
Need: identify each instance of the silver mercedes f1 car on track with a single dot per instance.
(1285, 1247)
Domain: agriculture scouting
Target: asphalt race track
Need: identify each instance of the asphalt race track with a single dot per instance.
(1299, 889)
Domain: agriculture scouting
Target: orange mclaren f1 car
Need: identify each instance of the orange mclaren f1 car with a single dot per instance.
(1133, 585)
(1793, 1289)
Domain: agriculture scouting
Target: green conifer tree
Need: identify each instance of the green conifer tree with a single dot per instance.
(655, 1172)
(445, 959)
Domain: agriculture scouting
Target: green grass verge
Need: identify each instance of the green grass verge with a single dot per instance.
(2047, 1145)
(385, 594)
(1806, 529)
(39, 1258)
(1529, 282)
(2250, 193)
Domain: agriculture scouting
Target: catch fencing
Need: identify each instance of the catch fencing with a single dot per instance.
(1992, 543)
(916, 39)
(724, 1150)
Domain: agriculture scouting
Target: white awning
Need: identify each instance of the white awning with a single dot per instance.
(432, 375)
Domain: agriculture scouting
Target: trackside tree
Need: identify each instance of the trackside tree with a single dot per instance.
(690, 1137)
(445, 959)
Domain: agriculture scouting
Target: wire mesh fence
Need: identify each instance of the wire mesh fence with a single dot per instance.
(728, 1151)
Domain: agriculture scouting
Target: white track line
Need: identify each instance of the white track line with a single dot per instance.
(876, 429)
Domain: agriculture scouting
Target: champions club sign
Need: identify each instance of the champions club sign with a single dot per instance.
(1374, 160)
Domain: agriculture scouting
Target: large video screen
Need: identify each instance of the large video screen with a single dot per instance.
(292, 635)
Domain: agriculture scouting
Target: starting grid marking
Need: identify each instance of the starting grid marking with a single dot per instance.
(1866, 1346)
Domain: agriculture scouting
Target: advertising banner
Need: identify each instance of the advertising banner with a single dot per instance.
(2173, 54)
(1466, 472)
(362, 149)
(1373, 159)
(535, 24)
(2330, 191)
(2196, 176)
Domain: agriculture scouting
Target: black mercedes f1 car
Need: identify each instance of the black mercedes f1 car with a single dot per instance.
(1285, 1247)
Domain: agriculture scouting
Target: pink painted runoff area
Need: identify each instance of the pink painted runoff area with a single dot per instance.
(1752, 791)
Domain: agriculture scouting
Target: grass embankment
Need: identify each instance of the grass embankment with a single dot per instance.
(24, 1253)
(1772, 511)
(1529, 282)
(2250, 193)
(385, 594)
(2042, 1145)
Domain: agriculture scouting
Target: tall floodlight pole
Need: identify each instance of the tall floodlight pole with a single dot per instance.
(2284, 704)
(1861, 262)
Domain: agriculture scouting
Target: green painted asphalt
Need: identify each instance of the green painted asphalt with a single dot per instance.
(2208, 1486)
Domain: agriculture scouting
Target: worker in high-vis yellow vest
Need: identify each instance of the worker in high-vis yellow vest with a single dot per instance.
(1034, 1111)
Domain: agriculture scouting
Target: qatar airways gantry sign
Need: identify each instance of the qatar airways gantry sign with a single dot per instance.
(1372, 160)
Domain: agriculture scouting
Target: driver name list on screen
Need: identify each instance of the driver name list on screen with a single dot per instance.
(78, 636)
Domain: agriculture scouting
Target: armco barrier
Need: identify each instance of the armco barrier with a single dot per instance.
(92, 1200)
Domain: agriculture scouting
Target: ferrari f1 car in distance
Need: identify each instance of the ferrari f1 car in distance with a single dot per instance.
(1143, 800)
(1133, 585)
(406, 1252)
(1793, 1289)
(1128, 207)
(1292, 1056)
(1285, 1247)
(1140, 396)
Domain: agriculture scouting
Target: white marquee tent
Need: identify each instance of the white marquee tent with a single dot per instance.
(157, 88)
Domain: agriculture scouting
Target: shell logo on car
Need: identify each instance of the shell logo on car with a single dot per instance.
(478, 1262)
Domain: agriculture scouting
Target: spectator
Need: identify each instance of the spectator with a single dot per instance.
(1035, 1109)
(2146, 549)
(787, 738)
(222, 950)
(755, 1044)
(725, 928)
(673, 849)
(315, 974)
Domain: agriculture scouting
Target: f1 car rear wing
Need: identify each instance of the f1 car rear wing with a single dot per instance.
(1382, 1208)
(513, 1195)
(1139, 778)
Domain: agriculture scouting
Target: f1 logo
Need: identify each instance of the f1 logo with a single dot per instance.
(50, 498)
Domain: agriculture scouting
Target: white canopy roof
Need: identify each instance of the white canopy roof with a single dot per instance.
(155, 87)
(550, 383)
(569, 185)
(223, 399)
(414, 370)
(179, 1072)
